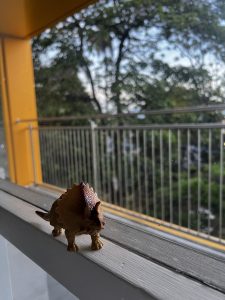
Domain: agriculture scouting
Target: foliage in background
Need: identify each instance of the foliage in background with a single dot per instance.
(133, 55)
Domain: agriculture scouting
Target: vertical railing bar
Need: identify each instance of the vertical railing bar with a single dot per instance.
(60, 157)
(71, 177)
(153, 175)
(108, 168)
(94, 157)
(49, 163)
(209, 178)
(54, 157)
(81, 156)
(46, 155)
(128, 204)
(199, 180)
(87, 151)
(47, 151)
(91, 157)
(64, 158)
(32, 153)
(78, 156)
(76, 166)
(62, 150)
(68, 165)
(51, 160)
(71, 157)
(125, 169)
(102, 164)
(221, 186)
(114, 177)
(99, 161)
(131, 159)
(56, 147)
(138, 172)
(68, 158)
(67, 141)
(59, 154)
(189, 187)
(146, 174)
(79, 153)
(162, 174)
(119, 168)
(41, 134)
(84, 156)
(106, 165)
(41, 154)
(179, 177)
(87, 155)
(97, 158)
(65, 164)
(170, 178)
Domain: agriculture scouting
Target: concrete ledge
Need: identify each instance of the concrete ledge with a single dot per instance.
(201, 263)
(112, 273)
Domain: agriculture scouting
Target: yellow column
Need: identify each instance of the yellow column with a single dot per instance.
(19, 103)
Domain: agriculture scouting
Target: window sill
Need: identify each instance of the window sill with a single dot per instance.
(116, 271)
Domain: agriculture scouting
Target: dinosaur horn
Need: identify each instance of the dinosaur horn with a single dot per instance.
(97, 205)
(43, 215)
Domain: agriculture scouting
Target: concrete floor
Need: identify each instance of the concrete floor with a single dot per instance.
(22, 279)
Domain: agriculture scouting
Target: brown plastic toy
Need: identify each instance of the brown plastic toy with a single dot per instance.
(78, 211)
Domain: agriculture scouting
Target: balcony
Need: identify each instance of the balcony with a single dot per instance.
(160, 228)
(171, 174)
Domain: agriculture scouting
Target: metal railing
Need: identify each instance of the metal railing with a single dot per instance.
(172, 172)
(152, 112)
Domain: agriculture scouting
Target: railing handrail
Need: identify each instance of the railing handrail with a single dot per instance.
(168, 111)
(144, 126)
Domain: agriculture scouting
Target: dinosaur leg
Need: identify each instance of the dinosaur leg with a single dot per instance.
(96, 242)
(56, 231)
(70, 235)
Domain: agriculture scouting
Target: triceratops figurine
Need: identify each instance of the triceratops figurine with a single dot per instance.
(78, 211)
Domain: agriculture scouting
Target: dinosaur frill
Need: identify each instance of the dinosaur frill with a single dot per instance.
(75, 205)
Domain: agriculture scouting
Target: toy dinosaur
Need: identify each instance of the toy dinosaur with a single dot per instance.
(78, 211)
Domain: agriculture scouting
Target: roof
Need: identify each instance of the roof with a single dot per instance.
(27, 18)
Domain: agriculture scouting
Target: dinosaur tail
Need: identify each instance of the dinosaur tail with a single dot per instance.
(43, 215)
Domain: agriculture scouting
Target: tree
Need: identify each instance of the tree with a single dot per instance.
(120, 47)
(138, 55)
(59, 90)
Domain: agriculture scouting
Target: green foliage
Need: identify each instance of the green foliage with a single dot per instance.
(125, 50)
(137, 55)
(60, 92)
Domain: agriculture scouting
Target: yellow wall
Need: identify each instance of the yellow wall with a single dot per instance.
(18, 96)
(19, 20)
(13, 21)
(26, 18)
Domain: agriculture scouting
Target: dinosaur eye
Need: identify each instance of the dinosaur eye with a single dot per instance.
(103, 223)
